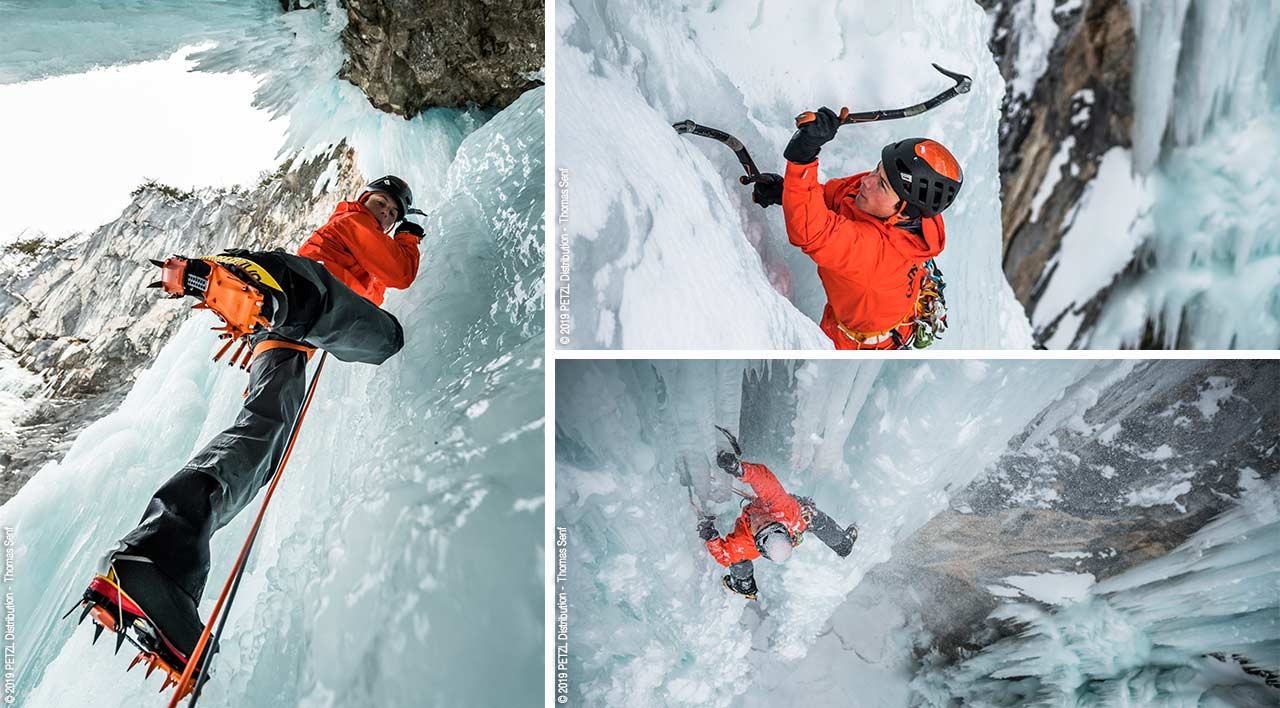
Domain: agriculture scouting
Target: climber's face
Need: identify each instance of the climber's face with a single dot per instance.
(876, 195)
(383, 207)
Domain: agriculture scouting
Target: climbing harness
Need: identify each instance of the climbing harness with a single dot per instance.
(928, 319)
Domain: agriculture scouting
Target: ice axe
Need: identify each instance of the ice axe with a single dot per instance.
(737, 450)
(687, 480)
(962, 85)
(688, 127)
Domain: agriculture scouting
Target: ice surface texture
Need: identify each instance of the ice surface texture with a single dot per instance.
(882, 444)
(1161, 634)
(667, 249)
(1196, 201)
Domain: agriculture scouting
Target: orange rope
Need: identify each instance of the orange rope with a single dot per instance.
(194, 659)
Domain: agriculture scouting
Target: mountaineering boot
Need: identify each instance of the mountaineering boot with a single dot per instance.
(239, 291)
(137, 602)
(746, 588)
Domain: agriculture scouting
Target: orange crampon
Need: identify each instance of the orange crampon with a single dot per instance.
(220, 288)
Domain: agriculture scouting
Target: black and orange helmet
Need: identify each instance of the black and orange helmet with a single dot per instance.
(924, 174)
(393, 187)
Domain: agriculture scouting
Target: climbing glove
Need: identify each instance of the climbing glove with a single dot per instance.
(810, 137)
(768, 190)
(707, 528)
(408, 227)
(729, 462)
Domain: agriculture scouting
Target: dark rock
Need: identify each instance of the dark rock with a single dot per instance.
(408, 56)
(1083, 96)
(1079, 501)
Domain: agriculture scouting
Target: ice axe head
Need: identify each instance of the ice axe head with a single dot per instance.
(963, 83)
(733, 441)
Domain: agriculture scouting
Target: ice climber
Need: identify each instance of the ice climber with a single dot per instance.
(769, 526)
(872, 235)
(325, 297)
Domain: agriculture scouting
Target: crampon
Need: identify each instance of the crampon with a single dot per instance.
(110, 608)
(232, 288)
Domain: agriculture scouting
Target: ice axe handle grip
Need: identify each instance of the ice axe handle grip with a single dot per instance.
(810, 116)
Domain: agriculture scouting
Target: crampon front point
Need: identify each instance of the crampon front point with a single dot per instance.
(111, 609)
(232, 288)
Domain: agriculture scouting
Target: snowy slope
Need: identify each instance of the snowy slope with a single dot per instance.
(667, 249)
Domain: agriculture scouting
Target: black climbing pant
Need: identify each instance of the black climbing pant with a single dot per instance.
(837, 538)
(219, 481)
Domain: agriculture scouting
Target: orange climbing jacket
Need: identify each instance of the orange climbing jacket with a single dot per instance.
(871, 270)
(772, 503)
(354, 248)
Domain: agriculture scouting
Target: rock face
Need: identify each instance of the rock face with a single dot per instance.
(79, 314)
(1079, 108)
(408, 56)
(1150, 459)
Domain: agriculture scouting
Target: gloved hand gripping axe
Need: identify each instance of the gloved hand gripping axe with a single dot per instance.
(688, 127)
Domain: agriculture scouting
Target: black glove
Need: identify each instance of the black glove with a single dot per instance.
(810, 137)
(707, 528)
(768, 190)
(408, 227)
(729, 462)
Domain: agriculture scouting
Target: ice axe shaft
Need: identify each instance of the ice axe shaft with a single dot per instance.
(962, 85)
(686, 480)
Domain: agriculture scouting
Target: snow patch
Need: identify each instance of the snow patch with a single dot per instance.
(1036, 29)
(530, 504)
(1053, 587)
(1160, 494)
(1217, 390)
(1100, 239)
(1108, 436)
(1051, 176)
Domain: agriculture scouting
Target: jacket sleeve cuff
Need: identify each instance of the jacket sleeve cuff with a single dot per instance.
(800, 177)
